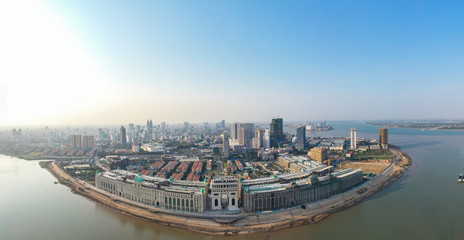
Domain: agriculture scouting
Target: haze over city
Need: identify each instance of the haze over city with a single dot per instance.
(106, 62)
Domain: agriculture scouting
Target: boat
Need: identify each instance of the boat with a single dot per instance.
(460, 179)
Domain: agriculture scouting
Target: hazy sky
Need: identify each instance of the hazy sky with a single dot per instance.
(115, 62)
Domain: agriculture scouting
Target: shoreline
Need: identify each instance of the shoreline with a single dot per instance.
(424, 129)
(243, 224)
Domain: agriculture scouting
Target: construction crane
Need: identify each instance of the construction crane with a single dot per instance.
(341, 164)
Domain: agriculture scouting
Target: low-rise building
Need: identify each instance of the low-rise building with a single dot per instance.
(178, 195)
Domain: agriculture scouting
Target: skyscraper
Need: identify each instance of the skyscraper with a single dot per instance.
(267, 138)
(75, 141)
(258, 139)
(82, 141)
(149, 124)
(87, 142)
(225, 145)
(353, 139)
(123, 137)
(245, 134)
(277, 132)
(383, 137)
(234, 130)
(300, 137)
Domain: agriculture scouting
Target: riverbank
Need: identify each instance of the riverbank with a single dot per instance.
(240, 224)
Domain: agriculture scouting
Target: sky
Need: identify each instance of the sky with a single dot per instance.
(115, 62)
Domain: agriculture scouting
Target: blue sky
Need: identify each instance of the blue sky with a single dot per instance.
(200, 61)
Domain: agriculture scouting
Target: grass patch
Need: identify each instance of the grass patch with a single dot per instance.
(43, 164)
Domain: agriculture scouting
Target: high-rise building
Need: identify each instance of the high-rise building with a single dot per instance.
(100, 133)
(300, 137)
(123, 137)
(383, 137)
(353, 139)
(245, 134)
(319, 154)
(149, 124)
(277, 132)
(258, 139)
(135, 147)
(267, 138)
(234, 127)
(87, 142)
(75, 141)
(82, 141)
(225, 145)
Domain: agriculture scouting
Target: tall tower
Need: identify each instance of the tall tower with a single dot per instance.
(267, 138)
(123, 137)
(258, 139)
(234, 130)
(75, 141)
(225, 145)
(300, 137)
(277, 132)
(383, 137)
(353, 139)
(245, 134)
(87, 142)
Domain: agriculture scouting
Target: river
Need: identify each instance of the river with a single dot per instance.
(423, 204)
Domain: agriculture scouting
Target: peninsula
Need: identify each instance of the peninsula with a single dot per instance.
(214, 180)
(241, 223)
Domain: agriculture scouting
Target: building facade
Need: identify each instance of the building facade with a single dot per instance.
(276, 132)
(319, 154)
(258, 139)
(245, 134)
(267, 138)
(353, 144)
(224, 188)
(82, 141)
(225, 145)
(383, 137)
(163, 193)
(123, 136)
(300, 137)
(289, 194)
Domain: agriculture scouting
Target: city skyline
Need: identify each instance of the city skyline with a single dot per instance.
(93, 63)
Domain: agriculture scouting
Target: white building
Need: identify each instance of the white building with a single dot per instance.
(353, 139)
(224, 192)
(267, 138)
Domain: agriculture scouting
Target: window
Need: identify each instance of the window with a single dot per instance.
(233, 201)
(216, 202)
